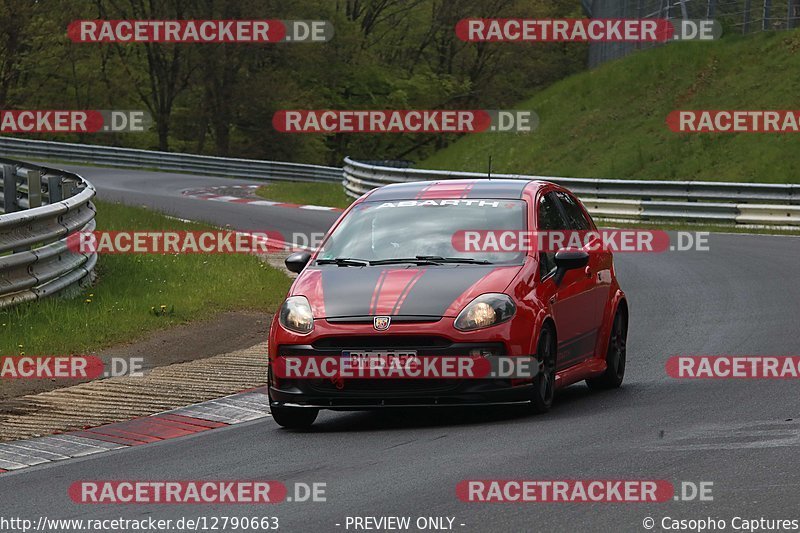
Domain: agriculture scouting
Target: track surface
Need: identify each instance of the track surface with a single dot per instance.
(742, 297)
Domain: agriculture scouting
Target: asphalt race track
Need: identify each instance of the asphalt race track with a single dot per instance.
(164, 192)
(742, 297)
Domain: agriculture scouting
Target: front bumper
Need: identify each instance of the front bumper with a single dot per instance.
(467, 393)
(426, 339)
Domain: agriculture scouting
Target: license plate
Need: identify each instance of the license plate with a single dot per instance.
(379, 358)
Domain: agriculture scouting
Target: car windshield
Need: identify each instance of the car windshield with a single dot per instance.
(421, 229)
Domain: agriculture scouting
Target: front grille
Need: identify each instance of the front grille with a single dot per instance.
(423, 345)
(382, 341)
(384, 385)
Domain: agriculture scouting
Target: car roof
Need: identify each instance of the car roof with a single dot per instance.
(507, 189)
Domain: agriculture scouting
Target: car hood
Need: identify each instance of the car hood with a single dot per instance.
(407, 292)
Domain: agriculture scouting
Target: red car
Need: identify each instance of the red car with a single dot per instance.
(388, 278)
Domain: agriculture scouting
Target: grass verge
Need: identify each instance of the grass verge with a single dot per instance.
(119, 307)
(610, 122)
(308, 193)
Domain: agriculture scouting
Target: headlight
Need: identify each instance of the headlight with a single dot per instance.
(295, 315)
(484, 311)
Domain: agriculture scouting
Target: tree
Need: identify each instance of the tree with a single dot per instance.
(159, 72)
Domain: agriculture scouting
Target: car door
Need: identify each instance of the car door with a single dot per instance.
(572, 302)
(599, 267)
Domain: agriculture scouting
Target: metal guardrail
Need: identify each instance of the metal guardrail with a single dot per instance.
(763, 204)
(168, 161)
(41, 207)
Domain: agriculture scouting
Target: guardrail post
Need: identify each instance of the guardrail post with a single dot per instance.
(55, 191)
(67, 188)
(34, 189)
(746, 21)
(9, 189)
(684, 11)
(711, 9)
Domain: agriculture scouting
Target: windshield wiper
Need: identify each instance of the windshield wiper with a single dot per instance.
(417, 260)
(400, 260)
(465, 260)
(431, 260)
(343, 262)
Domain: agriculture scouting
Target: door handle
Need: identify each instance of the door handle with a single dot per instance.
(588, 272)
(553, 299)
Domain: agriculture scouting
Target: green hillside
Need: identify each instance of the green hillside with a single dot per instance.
(610, 122)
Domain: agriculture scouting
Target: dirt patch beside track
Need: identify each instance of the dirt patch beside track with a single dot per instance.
(222, 334)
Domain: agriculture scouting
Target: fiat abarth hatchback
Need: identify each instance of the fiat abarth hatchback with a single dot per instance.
(392, 282)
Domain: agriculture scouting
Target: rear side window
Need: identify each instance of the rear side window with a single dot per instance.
(575, 217)
(548, 219)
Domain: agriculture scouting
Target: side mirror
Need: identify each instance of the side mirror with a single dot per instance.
(297, 261)
(569, 260)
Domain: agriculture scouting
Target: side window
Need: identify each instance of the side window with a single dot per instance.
(548, 219)
(575, 216)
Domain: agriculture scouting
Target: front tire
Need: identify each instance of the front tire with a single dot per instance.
(545, 380)
(290, 417)
(616, 356)
(294, 417)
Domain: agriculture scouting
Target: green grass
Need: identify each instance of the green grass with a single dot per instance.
(610, 122)
(118, 307)
(308, 193)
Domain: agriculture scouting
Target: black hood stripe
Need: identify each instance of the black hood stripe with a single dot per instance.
(350, 291)
(406, 290)
(373, 308)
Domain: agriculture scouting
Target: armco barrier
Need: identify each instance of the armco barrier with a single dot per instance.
(169, 161)
(41, 207)
(753, 204)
